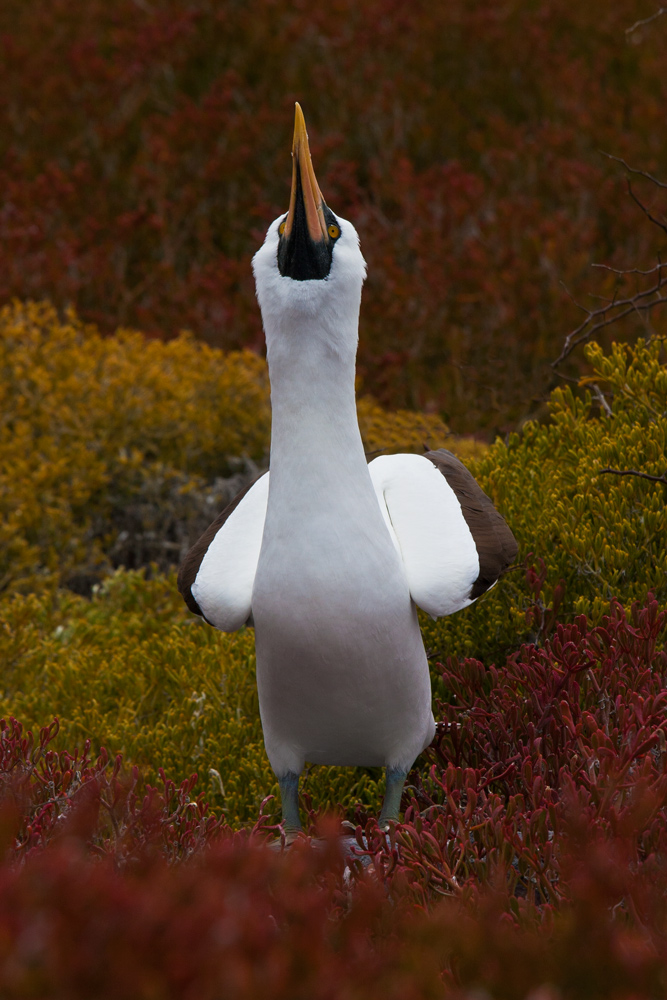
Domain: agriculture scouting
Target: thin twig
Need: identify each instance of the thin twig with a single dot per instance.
(647, 20)
(566, 378)
(642, 302)
(597, 319)
(572, 298)
(623, 272)
(633, 170)
(656, 222)
(633, 472)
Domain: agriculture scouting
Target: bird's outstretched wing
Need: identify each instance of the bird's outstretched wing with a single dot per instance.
(453, 541)
(218, 573)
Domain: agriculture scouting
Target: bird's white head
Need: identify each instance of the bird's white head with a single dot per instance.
(309, 271)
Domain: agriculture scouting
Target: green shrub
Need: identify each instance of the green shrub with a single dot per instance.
(133, 670)
(602, 535)
(108, 438)
(137, 673)
(88, 419)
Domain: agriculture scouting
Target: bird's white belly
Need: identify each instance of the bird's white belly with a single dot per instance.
(341, 669)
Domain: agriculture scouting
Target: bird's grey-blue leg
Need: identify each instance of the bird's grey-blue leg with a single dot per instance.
(392, 797)
(289, 794)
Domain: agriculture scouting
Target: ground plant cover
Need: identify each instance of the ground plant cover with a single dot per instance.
(531, 860)
(136, 797)
(488, 154)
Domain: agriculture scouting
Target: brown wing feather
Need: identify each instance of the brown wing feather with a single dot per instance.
(496, 545)
(190, 565)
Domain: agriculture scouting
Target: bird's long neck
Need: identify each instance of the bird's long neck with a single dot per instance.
(315, 436)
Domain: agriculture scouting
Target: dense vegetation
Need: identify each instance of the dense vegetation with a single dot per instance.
(592, 534)
(531, 861)
(543, 798)
(118, 452)
(112, 448)
(144, 147)
(537, 818)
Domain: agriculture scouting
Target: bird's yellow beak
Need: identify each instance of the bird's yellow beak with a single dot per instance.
(305, 186)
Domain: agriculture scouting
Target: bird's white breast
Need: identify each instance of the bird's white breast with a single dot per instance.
(342, 673)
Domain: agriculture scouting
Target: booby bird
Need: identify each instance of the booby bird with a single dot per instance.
(328, 556)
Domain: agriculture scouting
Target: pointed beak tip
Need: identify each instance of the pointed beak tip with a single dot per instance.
(300, 133)
(304, 176)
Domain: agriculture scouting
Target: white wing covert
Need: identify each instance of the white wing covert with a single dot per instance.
(218, 574)
(453, 541)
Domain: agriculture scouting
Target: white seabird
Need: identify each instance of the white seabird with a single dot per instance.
(327, 555)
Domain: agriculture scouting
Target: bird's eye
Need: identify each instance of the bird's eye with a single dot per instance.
(281, 227)
(334, 232)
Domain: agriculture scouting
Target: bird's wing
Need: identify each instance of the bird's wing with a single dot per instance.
(453, 541)
(218, 573)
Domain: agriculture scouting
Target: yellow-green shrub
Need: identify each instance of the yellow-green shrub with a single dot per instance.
(604, 535)
(404, 430)
(132, 669)
(140, 675)
(89, 423)
(84, 413)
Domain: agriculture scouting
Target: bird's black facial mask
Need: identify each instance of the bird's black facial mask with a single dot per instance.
(300, 256)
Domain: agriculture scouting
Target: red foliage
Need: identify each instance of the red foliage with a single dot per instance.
(533, 856)
(49, 796)
(144, 147)
(566, 740)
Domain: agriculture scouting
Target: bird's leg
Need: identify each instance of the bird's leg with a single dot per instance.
(392, 796)
(289, 794)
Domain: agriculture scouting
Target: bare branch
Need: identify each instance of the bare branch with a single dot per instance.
(660, 225)
(623, 272)
(572, 298)
(633, 472)
(633, 170)
(566, 378)
(647, 20)
(643, 301)
(615, 310)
